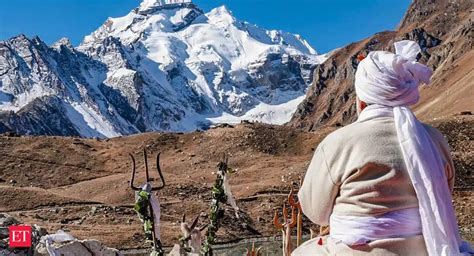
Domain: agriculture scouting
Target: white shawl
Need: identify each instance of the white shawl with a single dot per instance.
(390, 82)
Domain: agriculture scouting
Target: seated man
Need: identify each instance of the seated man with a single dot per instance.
(383, 183)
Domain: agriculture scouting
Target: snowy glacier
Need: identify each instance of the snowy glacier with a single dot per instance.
(165, 66)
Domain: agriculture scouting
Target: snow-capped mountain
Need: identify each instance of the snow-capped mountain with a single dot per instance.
(166, 66)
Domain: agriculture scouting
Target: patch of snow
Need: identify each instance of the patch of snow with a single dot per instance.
(121, 72)
(16, 102)
(88, 122)
(266, 113)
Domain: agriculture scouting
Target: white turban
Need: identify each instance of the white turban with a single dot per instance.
(389, 83)
(391, 79)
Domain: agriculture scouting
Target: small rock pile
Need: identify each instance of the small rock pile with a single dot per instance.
(75, 247)
(48, 245)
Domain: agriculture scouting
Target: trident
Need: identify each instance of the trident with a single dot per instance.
(285, 228)
(299, 225)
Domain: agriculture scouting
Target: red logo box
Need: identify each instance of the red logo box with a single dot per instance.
(20, 236)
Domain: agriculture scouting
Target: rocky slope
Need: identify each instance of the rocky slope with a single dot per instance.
(165, 66)
(444, 30)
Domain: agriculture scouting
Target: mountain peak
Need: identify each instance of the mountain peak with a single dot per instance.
(220, 14)
(146, 4)
(20, 37)
(222, 10)
(63, 42)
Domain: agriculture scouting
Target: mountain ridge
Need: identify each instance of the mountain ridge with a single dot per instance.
(159, 68)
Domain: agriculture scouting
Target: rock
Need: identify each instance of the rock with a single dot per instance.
(226, 125)
(4, 232)
(7, 220)
(37, 233)
(93, 210)
(64, 244)
(176, 251)
(466, 113)
(10, 134)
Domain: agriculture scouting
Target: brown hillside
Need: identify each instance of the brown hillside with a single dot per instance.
(444, 29)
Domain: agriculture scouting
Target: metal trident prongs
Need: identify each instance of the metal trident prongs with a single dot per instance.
(146, 172)
(299, 226)
(149, 220)
(286, 228)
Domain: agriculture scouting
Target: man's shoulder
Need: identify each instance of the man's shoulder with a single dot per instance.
(356, 132)
(343, 134)
(356, 128)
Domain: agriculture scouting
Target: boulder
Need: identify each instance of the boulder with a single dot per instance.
(66, 245)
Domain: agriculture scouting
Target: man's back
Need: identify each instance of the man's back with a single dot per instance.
(363, 164)
(372, 178)
(359, 170)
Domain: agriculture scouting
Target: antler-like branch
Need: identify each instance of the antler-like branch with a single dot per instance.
(202, 228)
(195, 221)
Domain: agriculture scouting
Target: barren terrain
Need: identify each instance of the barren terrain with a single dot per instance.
(82, 185)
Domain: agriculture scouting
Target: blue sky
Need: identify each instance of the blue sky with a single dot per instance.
(325, 24)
